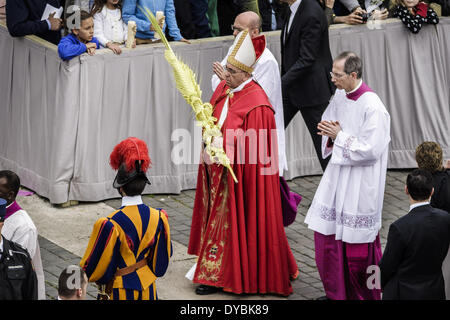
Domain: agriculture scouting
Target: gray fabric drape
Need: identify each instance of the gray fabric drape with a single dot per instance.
(38, 115)
(59, 121)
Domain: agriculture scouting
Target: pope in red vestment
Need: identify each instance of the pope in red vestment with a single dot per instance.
(237, 228)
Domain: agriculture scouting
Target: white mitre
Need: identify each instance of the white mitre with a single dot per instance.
(243, 54)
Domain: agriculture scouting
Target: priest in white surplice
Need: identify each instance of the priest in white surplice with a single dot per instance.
(266, 72)
(346, 210)
(18, 226)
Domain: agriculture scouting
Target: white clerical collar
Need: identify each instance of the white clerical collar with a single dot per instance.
(242, 85)
(1, 245)
(418, 204)
(131, 201)
(357, 87)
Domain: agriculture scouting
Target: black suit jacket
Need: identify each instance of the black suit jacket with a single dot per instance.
(306, 58)
(417, 244)
(23, 17)
(441, 195)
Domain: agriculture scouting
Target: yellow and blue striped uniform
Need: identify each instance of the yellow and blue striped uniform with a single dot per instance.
(123, 238)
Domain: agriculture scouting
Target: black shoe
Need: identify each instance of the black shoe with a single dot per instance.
(323, 298)
(204, 290)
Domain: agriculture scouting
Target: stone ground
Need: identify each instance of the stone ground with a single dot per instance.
(179, 207)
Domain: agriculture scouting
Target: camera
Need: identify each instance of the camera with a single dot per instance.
(364, 16)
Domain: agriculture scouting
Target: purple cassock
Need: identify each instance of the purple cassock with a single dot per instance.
(343, 267)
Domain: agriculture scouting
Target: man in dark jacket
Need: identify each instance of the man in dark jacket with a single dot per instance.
(305, 67)
(411, 267)
(23, 17)
(17, 277)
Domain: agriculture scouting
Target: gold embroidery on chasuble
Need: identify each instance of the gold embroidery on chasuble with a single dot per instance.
(210, 262)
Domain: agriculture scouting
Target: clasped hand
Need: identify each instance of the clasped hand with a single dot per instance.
(329, 128)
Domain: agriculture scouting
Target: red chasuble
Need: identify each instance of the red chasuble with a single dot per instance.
(237, 228)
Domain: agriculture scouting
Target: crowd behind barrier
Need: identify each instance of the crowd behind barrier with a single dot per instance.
(59, 120)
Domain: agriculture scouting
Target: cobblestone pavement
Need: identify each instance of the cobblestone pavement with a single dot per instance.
(179, 207)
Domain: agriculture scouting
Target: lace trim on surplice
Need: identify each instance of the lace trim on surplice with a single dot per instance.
(347, 145)
(347, 220)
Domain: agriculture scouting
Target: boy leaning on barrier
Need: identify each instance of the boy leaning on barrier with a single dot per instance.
(80, 40)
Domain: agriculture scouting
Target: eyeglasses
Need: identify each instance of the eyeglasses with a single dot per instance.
(337, 75)
(233, 28)
(231, 71)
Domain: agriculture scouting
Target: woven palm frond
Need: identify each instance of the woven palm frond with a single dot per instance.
(186, 83)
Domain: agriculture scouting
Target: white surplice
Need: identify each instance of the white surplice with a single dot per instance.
(19, 228)
(349, 199)
(267, 73)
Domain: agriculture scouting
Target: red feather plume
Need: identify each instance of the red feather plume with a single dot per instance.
(128, 151)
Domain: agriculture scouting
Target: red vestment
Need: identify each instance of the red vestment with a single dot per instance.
(237, 228)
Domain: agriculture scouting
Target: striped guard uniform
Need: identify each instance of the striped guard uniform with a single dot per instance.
(123, 238)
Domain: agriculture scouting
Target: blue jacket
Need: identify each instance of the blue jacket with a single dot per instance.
(23, 17)
(70, 47)
(130, 11)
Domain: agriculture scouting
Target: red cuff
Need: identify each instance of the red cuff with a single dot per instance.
(330, 143)
(421, 9)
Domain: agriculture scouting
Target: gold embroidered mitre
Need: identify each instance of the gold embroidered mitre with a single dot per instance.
(243, 54)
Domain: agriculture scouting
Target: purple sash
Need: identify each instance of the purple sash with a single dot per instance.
(13, 208)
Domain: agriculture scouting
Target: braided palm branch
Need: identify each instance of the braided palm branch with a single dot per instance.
(187, 85)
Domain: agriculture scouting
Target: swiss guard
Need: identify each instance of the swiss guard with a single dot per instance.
(131, 247)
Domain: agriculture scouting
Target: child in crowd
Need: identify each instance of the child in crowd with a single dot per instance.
(414, 14)
(109, 27)
(80, 39)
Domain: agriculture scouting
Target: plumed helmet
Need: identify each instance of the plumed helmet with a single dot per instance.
(131, 160)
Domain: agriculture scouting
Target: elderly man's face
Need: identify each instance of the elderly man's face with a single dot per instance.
(238, 26)
(234, 76)
(341, 79)
(243, 22)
